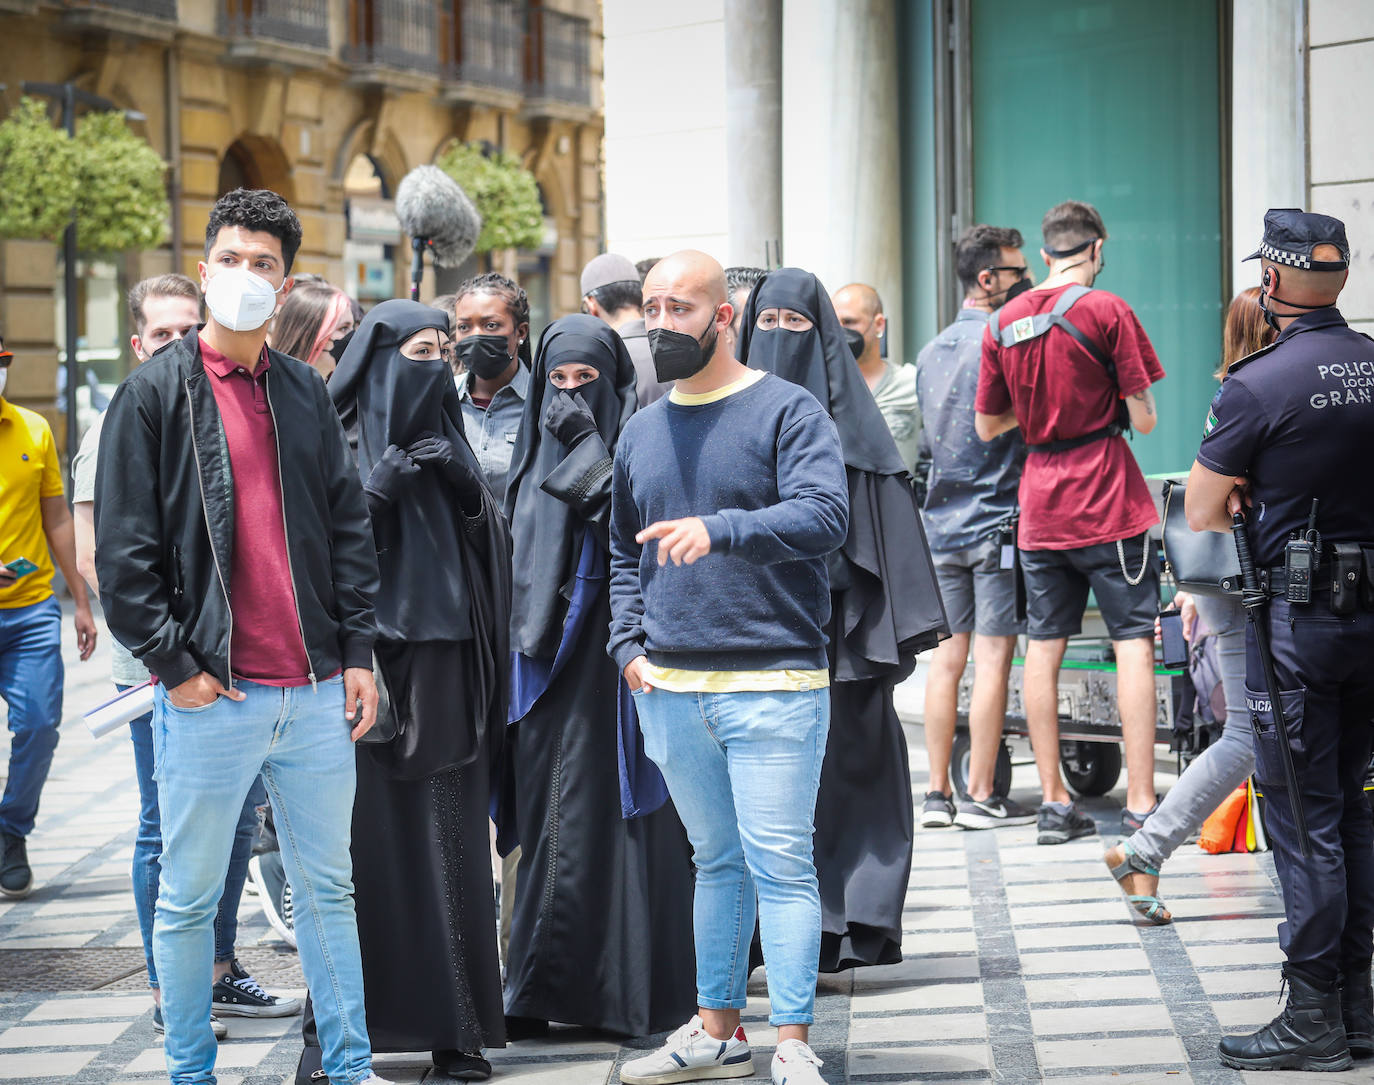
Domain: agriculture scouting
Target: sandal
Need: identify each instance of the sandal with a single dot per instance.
(1150, 907)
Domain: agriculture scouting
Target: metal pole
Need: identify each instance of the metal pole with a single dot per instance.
(70, 304)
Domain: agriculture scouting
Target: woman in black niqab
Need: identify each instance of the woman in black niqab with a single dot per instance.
(421, 846)
(885, 609)
(601, 934)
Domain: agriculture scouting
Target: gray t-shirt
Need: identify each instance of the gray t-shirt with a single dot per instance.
(124, 668)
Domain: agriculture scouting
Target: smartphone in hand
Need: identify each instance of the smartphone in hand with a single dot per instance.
(21, 567)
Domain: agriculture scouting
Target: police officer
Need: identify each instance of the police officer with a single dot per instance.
(1294, 423)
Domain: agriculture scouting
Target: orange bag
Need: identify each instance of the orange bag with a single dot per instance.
(1219, 830)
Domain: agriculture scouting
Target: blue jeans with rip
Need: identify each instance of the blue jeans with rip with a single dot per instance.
(743, 770)
(148, 851)
(31, 676)
(206, 760)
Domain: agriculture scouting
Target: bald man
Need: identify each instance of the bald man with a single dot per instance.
(728, 495)
(1280, 441)
(893, 386)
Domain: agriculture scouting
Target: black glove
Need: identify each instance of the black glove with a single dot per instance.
(391, 474)
(569, 419)
(431, 450)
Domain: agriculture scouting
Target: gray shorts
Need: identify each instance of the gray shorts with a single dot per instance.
(979, 596)
(1057, 583)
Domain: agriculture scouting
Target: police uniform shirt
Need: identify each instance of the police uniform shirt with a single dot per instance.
(1297, 420)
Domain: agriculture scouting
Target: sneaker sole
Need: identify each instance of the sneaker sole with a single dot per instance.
(700, 1073)
(936, 821)
(987, 821)
(1327, 1063)
(18, 894)
(221, 1033)
(226, 1009)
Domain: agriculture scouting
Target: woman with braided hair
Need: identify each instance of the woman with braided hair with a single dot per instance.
(491, 333)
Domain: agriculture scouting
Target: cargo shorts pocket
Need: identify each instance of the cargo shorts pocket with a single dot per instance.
(1268, 755)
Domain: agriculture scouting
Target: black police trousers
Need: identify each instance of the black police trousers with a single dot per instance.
(1325, 670)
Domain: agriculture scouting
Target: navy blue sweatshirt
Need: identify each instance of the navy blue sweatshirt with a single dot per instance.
(763, 469)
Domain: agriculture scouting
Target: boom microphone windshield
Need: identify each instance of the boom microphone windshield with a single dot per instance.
(434, 209)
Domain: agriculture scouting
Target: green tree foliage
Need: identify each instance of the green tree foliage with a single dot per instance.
(504, 192)
(122, 202)
(38, 174)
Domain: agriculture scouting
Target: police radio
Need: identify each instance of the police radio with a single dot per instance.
(1300, 560)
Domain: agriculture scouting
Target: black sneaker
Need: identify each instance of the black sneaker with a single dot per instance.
(1131, 821)
(991, 812)
(268, 877)
(460, 1066)
(240, 995)
(16, 877)
(217, 1026)
(938, 811)
(1057, 828)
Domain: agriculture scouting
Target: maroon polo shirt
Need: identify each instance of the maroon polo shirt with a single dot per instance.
(266, 645)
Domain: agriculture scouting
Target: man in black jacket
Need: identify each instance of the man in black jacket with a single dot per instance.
(236, 561)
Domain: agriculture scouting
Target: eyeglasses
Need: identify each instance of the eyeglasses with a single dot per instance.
(1020, 269)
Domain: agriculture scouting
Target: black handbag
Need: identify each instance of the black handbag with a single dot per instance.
(1197, 560)
(386, 728)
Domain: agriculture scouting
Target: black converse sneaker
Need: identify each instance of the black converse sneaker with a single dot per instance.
(240, 995)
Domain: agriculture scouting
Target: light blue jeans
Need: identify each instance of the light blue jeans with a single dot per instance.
(206, 760)
(1221, 767)
(743, 769)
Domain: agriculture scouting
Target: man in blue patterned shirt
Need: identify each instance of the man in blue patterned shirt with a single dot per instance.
(971, 492)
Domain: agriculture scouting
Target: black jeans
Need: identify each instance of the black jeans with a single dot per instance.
(1325, 670)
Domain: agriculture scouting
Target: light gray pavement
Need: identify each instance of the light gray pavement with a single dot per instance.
(1023, 963)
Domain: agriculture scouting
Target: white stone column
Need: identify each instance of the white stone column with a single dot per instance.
(1268, 122)
(753, 128)
(842, 214)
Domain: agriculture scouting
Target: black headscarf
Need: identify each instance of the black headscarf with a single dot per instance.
(547, 534)
(820, 361)
(385, 398)
(887, 605)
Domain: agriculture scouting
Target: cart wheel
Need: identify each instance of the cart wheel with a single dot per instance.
(1090, 768)
(958, 767)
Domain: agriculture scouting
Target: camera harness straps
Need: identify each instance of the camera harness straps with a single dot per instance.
(1032, 327)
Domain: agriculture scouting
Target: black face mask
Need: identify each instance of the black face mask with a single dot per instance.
(855, 339)
(678, 355)
(337, 348)
(1017, 288)
(486, 357)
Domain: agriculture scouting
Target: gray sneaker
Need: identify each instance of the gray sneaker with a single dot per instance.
(938, 811)
(1057, 828)
(991, 812)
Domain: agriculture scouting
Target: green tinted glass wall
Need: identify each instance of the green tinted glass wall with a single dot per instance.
(1115, 102)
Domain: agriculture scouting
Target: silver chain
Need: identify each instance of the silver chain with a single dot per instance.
(1144, 561)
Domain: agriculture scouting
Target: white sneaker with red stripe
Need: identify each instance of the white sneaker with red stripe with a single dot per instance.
(796, 1064)
(691, 1054)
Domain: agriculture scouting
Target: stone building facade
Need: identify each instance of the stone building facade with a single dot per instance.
(330, 103)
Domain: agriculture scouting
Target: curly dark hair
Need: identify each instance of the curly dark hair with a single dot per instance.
(509, 291)
(741, 277)
(260, 210)
(981, 247)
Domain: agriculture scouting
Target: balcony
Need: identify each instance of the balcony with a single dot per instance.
(482, 49)
(558, 66)
(155, 20)
(294, 33)
(392, 43)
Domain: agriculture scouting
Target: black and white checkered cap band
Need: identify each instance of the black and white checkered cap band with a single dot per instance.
(1283, 256)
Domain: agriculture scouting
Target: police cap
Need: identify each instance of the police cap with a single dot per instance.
(1291, 234)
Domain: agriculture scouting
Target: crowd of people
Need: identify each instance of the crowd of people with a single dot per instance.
(632, 606)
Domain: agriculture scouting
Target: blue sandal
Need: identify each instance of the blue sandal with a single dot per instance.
(1151, 908)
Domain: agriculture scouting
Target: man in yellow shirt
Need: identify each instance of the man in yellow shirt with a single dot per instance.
(35, 528)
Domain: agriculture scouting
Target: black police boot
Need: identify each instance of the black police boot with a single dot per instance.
(1357, 1011)
(1307, 1035)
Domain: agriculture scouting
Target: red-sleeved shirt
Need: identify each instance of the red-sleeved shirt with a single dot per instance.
(1094, 493)
(266, 645)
